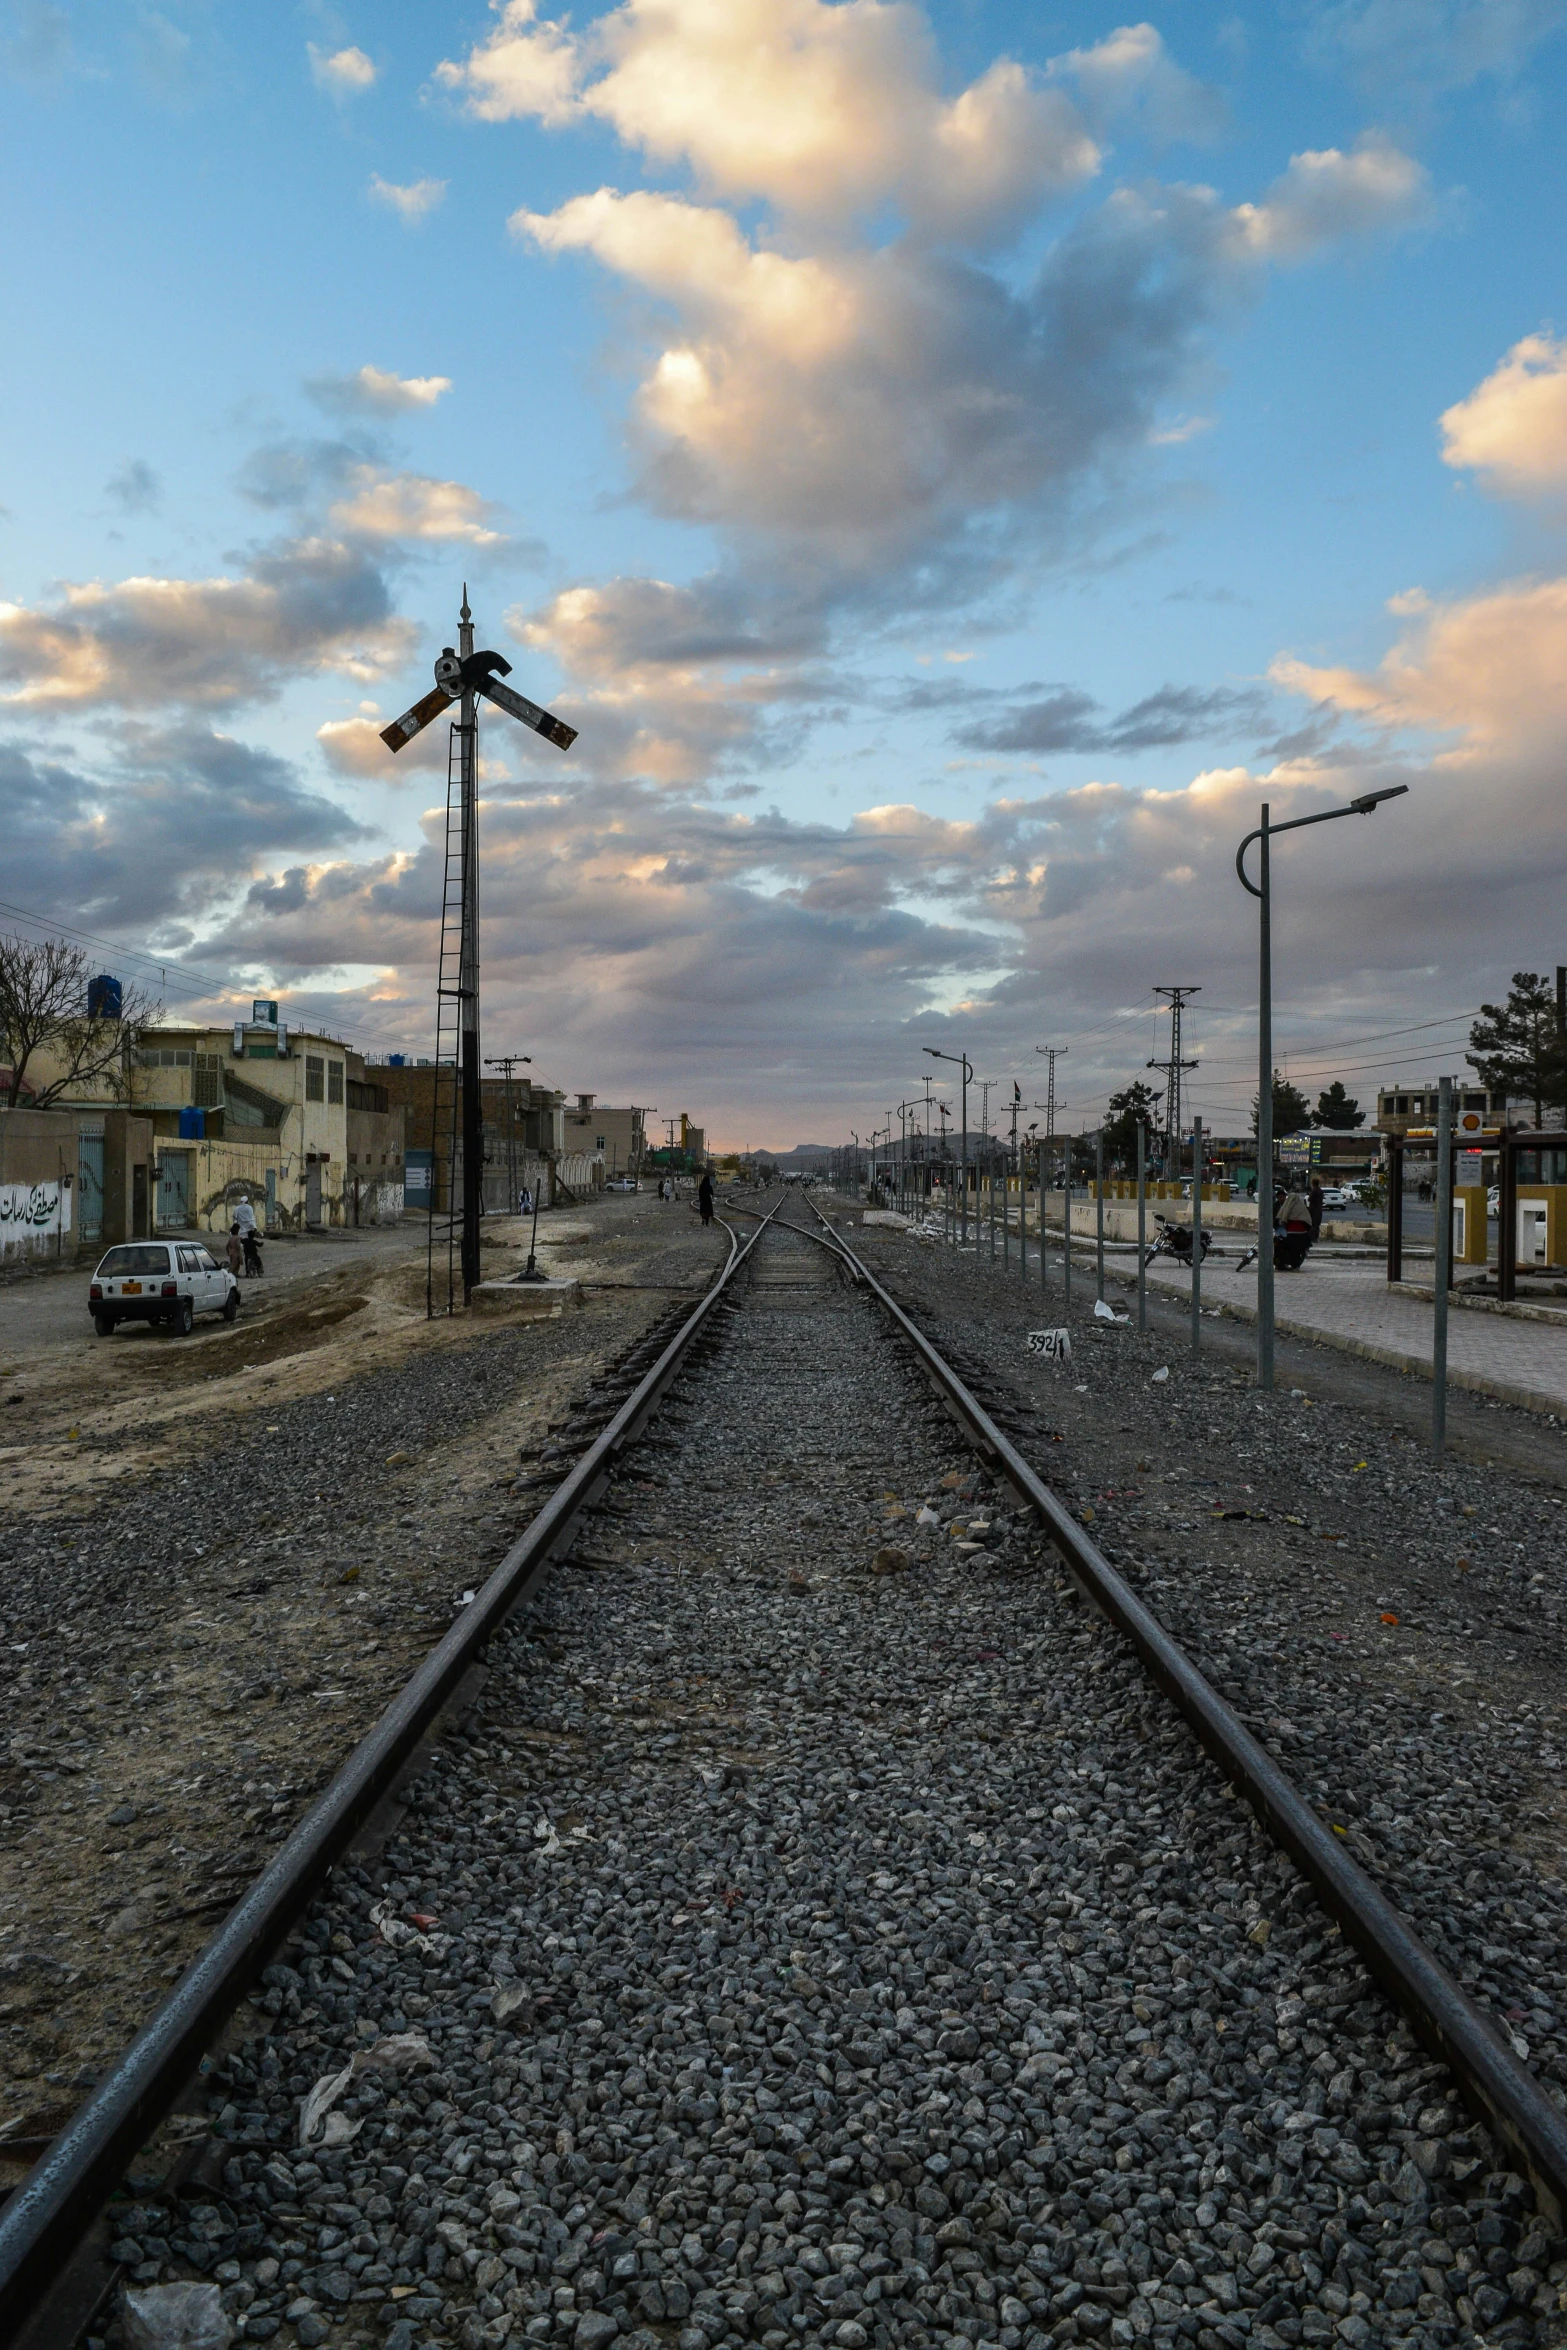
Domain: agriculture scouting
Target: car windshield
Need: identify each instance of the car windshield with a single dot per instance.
(148, 1257)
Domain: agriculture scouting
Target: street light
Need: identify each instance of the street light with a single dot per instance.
(962, 1061)
(1366, 805)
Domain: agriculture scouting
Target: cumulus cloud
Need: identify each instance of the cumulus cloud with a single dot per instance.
(823, 111)
(1490, 669)
(145, 643)
(1512, 429)
(342, 73)
(1131, 75)
(876, 402)
(412, 201)
(184, 815)
(638, 928)
(375, 391)
(412, 506)
(1327, 196)
(677, 684)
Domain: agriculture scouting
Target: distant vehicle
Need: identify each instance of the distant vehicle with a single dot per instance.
(1493, 1200)
(1339, 1197)
(160, 1281)
(620, 1183)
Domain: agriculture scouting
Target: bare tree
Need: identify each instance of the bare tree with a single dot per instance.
(44, 1017)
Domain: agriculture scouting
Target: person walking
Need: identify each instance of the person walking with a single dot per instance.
(1314, 1202)
(235, 1251)
(704, 1197)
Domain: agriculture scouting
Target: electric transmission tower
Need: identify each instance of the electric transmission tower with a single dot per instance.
(1172, 1070)
(1051, 1053)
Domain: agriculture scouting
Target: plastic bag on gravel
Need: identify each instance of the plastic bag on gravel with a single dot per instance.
(177, 2317)
(318, 2124)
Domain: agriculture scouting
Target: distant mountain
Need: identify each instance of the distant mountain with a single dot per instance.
(803, 1154)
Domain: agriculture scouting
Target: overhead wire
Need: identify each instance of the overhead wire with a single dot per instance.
(198, 983)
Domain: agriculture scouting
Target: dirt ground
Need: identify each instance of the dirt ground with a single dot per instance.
(219, 1558)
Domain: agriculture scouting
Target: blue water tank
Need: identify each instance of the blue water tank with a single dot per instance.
(193, 1125)
(394, 1060)
(103, 997)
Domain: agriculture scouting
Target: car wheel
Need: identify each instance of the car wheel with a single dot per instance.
(104, 1324)
(231, 1306)
(183, 1318)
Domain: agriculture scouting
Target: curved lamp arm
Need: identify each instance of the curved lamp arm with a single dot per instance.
(1366, 805)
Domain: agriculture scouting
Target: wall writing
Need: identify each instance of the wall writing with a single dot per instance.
(29, 1210)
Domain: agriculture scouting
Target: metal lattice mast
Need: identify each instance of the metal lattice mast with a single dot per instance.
(1050, 1053)
(1172, 1069)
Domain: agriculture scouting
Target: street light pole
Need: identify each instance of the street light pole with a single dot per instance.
(962, 1061)
(1366, 805)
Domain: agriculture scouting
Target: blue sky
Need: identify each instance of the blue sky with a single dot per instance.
(950, 464)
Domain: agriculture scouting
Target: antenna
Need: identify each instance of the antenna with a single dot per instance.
(460, 677)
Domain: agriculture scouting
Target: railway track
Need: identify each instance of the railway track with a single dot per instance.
(822, 1927)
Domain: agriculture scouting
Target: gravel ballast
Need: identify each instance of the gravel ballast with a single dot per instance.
(821, 1933)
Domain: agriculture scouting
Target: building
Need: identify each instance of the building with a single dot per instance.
(615, 1136)
(73, 1180)
(1400, 1107)
(287, 1117)
(1338, 1154)
(523, 1131)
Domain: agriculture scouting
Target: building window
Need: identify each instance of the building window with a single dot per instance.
(315, 1070)
(334, 1081)
(206, 1090)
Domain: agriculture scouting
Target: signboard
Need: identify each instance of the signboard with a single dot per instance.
(263, 1012)
(1054, 1345)
(1299, 1150)
(418, 1171)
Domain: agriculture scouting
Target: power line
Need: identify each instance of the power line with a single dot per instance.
(200, 983)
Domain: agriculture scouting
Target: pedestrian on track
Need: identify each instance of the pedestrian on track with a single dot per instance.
(704, 1197)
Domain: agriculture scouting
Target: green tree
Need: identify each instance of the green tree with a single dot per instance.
(1519, 1047)
(1291, 1110)
(1338, 1109)
(1136, 1104)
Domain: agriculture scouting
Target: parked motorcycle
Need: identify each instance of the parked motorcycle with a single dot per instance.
(1175, 1240)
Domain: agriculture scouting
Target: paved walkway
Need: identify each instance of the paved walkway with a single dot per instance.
(1348, 1304)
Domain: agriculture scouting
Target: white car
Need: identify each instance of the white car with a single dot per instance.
(160, 1281)
(1339, 1198)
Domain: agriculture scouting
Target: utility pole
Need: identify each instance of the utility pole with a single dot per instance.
(1172, 1071)
(1051, 1053)
(506, 1063)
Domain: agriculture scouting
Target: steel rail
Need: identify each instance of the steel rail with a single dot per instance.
(830, 1243)
(1506, 2096)
(48, 2213)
